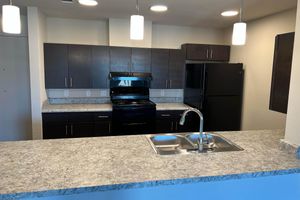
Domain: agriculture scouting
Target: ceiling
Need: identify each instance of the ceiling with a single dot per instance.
(202, 13)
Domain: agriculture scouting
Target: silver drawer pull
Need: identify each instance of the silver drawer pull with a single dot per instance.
(102, 117)
(165, 115)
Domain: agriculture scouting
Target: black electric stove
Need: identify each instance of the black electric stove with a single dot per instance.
(133, 112)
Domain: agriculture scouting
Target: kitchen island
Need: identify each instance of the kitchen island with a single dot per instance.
(46, 168)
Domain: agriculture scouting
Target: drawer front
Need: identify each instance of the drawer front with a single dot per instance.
(81, 117)
(174, 114)
(55, 117)
(102, 116)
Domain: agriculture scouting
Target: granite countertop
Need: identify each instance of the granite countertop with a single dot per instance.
(73, 166)
(52, 108)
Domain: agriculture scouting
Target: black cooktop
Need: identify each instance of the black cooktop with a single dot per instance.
(127, 102)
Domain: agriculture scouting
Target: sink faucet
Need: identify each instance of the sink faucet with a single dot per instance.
(182, 120)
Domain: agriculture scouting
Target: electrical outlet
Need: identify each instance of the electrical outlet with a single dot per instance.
(88, 93)
(66, 93)
(162, 93)
(103, 93)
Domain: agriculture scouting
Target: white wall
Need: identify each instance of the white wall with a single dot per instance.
(292, 134)
(166, 36)
(76, 31)
(257, 56)
(115, 32)
(119, 34)
(36, 38)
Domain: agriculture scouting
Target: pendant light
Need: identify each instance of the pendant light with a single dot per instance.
(11, 20)
(239, 30)
(137, 25)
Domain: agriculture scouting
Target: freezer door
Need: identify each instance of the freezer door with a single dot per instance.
(222, 79)
(194, 85)
(222, 113)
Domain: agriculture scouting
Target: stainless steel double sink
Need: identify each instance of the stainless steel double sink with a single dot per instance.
(186, 143)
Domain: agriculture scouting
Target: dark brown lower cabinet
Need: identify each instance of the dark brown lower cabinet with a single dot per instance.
(75, 125)
(168, 122)
(97, 124)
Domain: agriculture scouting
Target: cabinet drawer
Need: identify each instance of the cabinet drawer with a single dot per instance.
(81, 117)
(55, 118)
(102, 116)
(169, 114)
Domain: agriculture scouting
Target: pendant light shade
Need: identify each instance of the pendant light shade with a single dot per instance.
(137, 27)
(239, 34)
(11, 20)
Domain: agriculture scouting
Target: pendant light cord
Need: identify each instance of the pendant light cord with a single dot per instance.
(10, 1)
(137, 7)
(241, 10)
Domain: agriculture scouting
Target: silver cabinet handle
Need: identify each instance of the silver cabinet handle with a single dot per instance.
(66, 82)
(211, 54)
(166, 83)
(66, 128)
(109, 128)
(170, 84)
(207, 53)
(165, 115)
(172, 125)
(102, 117)
(71, 82)
(72, 129)
(176, 126)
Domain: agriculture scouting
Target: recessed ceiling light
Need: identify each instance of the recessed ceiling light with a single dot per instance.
(88, 2)
(229, 13)
(159, 8)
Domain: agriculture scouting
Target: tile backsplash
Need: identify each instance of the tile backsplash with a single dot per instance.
(66, 96)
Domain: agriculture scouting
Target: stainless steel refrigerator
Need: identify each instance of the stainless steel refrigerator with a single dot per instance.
(216, 89)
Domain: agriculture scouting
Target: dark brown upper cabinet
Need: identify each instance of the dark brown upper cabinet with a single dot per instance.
(141, 60)
(205, 52)
(282, 66)
(56, 66)
(160, 68)
(100, 66)
(80, 66)
(167, 67)
(176, 69)
(120, 59)
(76, 66)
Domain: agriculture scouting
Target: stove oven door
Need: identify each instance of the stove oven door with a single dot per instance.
(133, 120)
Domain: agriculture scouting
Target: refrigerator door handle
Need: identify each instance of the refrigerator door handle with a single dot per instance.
(203, 86)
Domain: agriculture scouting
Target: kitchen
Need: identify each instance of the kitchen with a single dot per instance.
(60, 104)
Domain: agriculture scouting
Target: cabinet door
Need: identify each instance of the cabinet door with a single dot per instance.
(120, 59)
(100, 63)
(80, 66)
(81, 124)
(160, 68)
(282, 66)
(55, 125)
(82, 129)
(56, 66)
(219, 53)
(197, 51)
(141, 60)
(102, 123)
(192, 122)
(176, 69)
(102, 129)
(165, 122)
